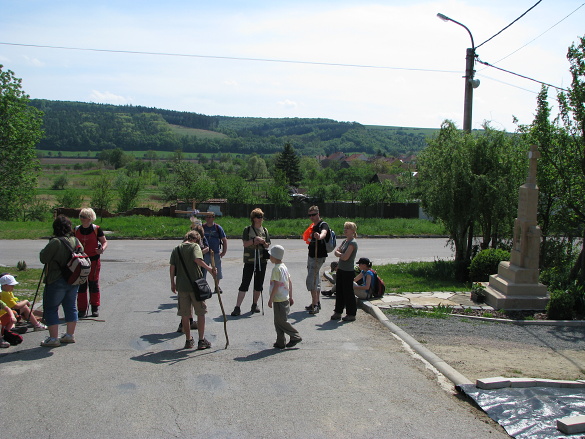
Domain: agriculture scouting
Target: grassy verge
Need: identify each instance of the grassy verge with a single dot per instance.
(408, 277)
(28, 281)
(140, 227)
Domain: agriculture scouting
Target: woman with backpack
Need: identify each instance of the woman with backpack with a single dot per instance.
(58, 292)
(256, 241)
(364, 282)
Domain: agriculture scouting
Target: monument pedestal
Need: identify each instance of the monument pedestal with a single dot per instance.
(516, 286)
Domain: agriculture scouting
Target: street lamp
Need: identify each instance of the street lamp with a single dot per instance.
(470, 83)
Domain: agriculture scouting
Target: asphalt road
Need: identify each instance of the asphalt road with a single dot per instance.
(128, 377)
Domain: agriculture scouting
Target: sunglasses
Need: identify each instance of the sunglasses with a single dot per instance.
(259, 216)
(83, 217)
(313, 214)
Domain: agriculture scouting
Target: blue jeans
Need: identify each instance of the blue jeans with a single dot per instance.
(59, 293)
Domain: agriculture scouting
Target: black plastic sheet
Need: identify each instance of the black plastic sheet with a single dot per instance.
(529, 412)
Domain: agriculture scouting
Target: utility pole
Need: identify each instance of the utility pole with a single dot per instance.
(470, 82)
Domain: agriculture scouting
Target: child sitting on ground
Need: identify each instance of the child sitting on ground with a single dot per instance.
(333, 277)
(363, 283)
(7, 321)
(281, 298)
(22, 307)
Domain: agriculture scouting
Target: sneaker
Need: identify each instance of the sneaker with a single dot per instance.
(189, 344)
(40, 327)
(348, 318)
(310, 307)
(275, 345)
(51, 342)
(254, 308)
(180, 328)
(336, 316)
(203, 344)
(4, 344)
(95, 311)
(314, 309)
(67, 338)
(193, 325)
(236, 311)
(327, 293)
(81, 315)
(293, 342)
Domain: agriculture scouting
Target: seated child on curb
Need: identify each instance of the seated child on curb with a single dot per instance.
(22, 307)
(333, 275)
(281, 298)
(7, 320)
(362, 283)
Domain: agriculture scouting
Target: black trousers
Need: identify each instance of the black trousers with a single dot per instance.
(344, 296)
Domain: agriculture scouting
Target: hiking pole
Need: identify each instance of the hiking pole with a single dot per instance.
(257, 258)
(217, 291)
(36, 294)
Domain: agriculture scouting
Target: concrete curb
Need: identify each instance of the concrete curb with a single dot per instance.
(524, 322)
(455, 377)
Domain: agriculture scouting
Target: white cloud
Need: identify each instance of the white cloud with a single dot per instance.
(35, 62)
(288, 104)
(108, 98)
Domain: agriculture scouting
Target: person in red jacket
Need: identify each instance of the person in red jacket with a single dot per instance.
(94, 243)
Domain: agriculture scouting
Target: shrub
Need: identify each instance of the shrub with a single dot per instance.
(60, 182)
(70, 199)
(485, 263)
(566, 304)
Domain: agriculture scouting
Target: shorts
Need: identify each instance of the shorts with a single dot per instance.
(186, 302)
(5, 319)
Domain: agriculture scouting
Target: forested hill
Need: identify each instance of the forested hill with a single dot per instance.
(78, 126)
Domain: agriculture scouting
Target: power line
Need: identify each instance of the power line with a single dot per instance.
(521, 76)
(233, 58)
(534, 39)
(509, 24)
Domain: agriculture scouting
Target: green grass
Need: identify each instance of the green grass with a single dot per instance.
(408, 277)
(205, 134)
(436, 313)
(155, 227)
(28, 281)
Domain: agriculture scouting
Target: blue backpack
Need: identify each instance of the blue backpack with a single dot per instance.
(331, 243)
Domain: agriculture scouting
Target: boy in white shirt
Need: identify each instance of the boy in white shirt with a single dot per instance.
(281, 298)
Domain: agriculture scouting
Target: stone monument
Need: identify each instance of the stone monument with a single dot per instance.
(516, 285)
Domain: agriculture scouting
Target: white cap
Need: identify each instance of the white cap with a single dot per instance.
(277, 252)
(8, 279)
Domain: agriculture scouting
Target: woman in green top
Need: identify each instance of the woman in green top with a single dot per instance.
(344, 296)
(256, 241)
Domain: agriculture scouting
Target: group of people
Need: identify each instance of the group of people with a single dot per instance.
(58, 293)
(257, 251)
(75, 300)
(200, 252)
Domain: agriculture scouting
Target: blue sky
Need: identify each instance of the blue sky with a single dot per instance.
(415, 61)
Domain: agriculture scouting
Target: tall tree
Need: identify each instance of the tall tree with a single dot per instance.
(20, 131)
(446, 185)
(289, 162)
(565, 152)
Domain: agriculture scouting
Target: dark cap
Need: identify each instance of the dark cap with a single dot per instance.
(365, 261)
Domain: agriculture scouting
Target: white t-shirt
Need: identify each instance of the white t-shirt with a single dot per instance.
(280, 278)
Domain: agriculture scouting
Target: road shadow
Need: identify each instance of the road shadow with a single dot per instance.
(170, 356)
(261, 354)
(31, 354)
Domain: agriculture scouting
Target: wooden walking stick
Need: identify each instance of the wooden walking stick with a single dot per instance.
(217, 291)
(315, 274)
